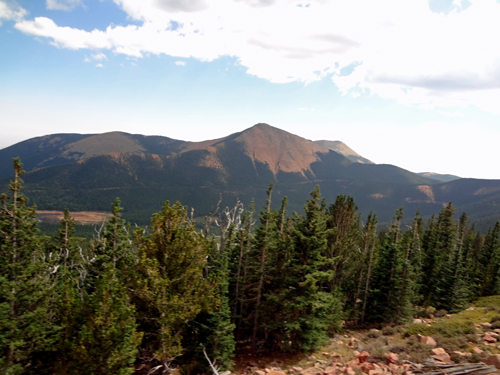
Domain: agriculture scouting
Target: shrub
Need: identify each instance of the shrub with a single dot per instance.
(495, 324)
(377, 350)
(389, 331)
(452, 329)
(495, 318)
(416, 351)
(373, 334)
(420, 329)
(472, 337)
(451, 344)
(441, 313)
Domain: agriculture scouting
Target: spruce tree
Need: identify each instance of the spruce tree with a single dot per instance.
(310, 309)
(107, 341)
(25, 325)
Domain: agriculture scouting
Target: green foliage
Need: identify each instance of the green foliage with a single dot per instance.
(169, 289)
(25, 325)
(107, 342)
(420, 329)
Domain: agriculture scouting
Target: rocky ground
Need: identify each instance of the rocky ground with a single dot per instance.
(434, 343)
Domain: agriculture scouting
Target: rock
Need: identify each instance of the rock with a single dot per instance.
(477, 350)
(297, 368)
(394, 368)
(441, 355)
(462, 354)
(391, 358)
(427, 340)
(330, 370)
(275, 372)
(417, 321)
(349, 371)
(486, 325)
(366, 367)
(260, 372)
(229, 373)
(354, 363)
(489, 339)
(470, 309)
(312, 371)
(363, 356)
(356, 353)
(374, 372)
(493, 360)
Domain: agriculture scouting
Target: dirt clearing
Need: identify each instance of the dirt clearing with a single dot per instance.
(81, 218)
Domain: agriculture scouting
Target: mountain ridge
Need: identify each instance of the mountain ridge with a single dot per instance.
(87, 172)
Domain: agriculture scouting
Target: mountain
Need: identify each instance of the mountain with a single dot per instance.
(87, 172)
(440, 177)
(344, 150)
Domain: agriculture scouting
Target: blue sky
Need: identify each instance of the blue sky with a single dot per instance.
(415, 83)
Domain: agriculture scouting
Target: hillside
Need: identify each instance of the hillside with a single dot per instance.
(87, 172)
(345, 150)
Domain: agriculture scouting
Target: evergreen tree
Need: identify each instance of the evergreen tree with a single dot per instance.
(25, 325)
(169, 289)
(310, 309)
(490, 262)
(107, 341)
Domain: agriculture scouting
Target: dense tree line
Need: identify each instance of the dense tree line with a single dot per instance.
(146, 300)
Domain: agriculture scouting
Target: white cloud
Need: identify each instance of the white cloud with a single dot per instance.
(180, 63)
(99, 56)
(62, 4)
(11, 11)
(401, 50)
(99, 66)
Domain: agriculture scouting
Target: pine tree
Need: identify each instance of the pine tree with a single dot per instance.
(490, 261)
(310, 309)
(263, 242)
(24, 318)
(107, 341)
(168, 283)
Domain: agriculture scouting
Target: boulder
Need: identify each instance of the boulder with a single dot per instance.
(391, 358)
(426, 340)
(493, 360)
(441, 355)
(363, 356)
(489, 339)
(417, 321)
(477, 350)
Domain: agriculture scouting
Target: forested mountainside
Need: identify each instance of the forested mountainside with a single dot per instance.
(147, 301)
(86, 172)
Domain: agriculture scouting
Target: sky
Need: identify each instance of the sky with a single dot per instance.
(412, 83)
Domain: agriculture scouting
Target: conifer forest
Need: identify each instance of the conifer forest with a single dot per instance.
(249, 280)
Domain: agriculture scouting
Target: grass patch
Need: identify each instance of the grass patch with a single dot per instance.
(420, 329)
(488, 301)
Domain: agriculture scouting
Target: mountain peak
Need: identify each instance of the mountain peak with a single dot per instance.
(280, 150)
